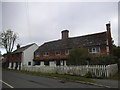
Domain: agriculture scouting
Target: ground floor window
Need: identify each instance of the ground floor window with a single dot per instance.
(37, 62)
(57, 62)
(46, 63)
(29, 63)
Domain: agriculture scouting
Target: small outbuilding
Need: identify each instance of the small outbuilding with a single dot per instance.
(21, 56)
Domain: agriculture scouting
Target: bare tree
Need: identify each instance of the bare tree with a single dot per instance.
(7, 40)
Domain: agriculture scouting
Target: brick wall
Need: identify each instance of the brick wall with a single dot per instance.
(52, 55)
(14, 57)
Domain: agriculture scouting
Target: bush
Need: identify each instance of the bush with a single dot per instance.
(80, 56)
(89, 75)
(103, 60)
(77, 56)
(94, 60)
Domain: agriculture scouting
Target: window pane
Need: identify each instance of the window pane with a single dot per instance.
(93, 50)
(97, 49)
(90, 49)
(29, 63)
(46, 53)
(46, 63)
(57, 52)
(67, 52)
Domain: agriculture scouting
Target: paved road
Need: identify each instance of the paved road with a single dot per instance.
(20, 80)
(110, 83)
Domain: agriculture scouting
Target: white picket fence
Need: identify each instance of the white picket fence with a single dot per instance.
(97, 70)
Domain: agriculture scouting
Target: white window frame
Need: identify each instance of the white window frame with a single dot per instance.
(46, 53)
(58, 54)
(90, 50)
(98, 49)
(67, 52)
(94, 50)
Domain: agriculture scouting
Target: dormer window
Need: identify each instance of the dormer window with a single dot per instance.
(67, 52)
(57, 53)
(94, 50)
(46, 54)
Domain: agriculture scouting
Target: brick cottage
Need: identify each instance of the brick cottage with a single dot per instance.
(56, 52)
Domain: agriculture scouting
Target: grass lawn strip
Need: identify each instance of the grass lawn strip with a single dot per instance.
(59, 76)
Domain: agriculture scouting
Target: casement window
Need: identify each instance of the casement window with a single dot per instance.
(37, 54)
(58, 63)
(97, 49)
(29, 63)
(46, 63)
(67, 52)
(46, 54)
(57, 53)
(94, 50)
(90, 50)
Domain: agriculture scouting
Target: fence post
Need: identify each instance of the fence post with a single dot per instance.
(108, 70)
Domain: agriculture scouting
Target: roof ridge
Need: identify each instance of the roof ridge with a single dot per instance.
(88, 35)
(53, 41)
(77, 37)
(21, 49)
(28, 45)
(85, 40)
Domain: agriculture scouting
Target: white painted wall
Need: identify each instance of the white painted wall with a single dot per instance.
(28, 54)
(42, 63)
(52, 63)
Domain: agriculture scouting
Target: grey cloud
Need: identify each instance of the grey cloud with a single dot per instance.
(41, 22)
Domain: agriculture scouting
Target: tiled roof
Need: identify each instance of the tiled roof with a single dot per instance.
(21, 49)
(86, 40)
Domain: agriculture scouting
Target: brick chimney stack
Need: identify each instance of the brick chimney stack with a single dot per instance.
(65, 34)
(108, 28)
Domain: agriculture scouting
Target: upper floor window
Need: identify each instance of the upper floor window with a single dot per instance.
(94, 50)
(46, 54)
(67, 52)
(97, 49)
(57, 53)
(37, 54)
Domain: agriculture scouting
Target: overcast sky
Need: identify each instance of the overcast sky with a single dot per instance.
(40, 22)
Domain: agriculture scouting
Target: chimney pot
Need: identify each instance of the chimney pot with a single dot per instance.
(108, 26)
(65, 34)
(18, 46)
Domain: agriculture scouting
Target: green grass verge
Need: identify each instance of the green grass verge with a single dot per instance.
(61, 76)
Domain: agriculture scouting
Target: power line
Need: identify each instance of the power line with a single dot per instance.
(27, 19)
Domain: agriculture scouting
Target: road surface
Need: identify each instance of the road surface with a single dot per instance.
(20, 80)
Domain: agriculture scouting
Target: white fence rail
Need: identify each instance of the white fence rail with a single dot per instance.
(96, 70)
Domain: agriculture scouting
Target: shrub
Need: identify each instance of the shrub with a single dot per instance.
(80, 56)
(103, 60)
(77, 56)
(89, 75)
